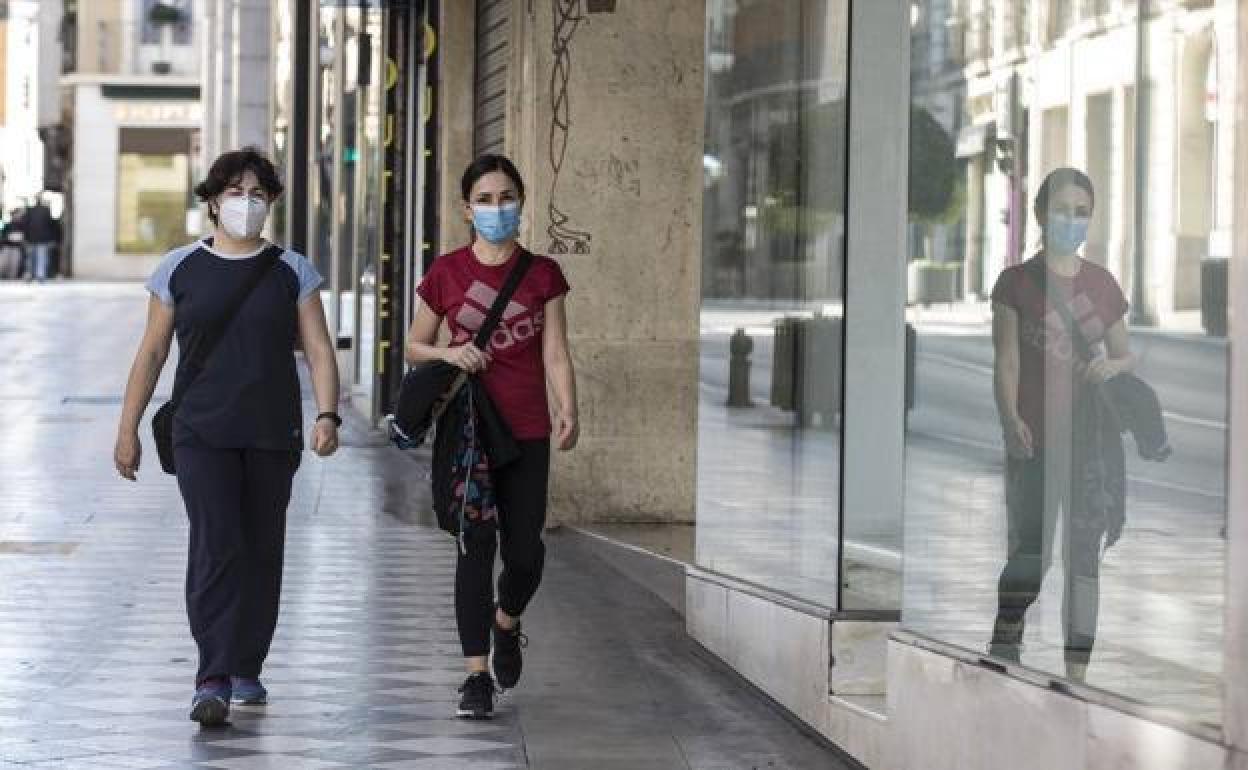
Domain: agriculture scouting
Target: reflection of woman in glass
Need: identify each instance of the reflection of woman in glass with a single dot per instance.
(1058, 332)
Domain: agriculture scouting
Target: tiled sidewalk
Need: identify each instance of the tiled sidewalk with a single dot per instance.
(96, 660)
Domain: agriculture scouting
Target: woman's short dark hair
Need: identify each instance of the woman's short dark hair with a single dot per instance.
(1056, 180)
(230, 167)
(485, 165)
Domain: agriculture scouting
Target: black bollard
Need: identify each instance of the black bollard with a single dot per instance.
(739, 349)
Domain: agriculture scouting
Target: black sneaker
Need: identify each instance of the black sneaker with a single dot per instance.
(478, 697)
(507, 658)
(1011, 651)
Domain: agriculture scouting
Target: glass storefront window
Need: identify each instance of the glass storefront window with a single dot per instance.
(153, 189)
(773, 268)
(1055, 516)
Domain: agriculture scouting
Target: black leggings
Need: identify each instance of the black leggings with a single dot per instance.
(521, 494)
(1034, 494)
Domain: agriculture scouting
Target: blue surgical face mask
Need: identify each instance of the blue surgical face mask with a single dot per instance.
(1064, 234)
(496, 224)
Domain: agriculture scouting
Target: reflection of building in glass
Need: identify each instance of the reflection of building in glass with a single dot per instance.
(774, 162)
(128, 131)
(1025, 87)
(773, 250)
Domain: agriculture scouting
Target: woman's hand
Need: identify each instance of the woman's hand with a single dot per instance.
(567, 430)
(468, 357)
(127, 454)
(324, 437)
(1018, 439)
(1102, 369)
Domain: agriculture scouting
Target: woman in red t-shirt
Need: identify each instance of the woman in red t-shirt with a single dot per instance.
(1064, 451)
(527, 353)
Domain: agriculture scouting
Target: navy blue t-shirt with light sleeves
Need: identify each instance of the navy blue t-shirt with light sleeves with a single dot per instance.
(247, 396)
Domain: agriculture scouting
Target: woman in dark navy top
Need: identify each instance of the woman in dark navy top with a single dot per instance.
(527, 358)
(238, 430)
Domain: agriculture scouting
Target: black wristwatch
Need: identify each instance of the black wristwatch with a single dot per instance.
(332, 416)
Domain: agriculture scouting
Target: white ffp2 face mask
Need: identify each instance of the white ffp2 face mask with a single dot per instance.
(243, 217)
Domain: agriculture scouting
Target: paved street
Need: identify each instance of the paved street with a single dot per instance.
(96, 661)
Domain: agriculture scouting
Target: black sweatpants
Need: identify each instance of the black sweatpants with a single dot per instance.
(521, 495)
(236, 500)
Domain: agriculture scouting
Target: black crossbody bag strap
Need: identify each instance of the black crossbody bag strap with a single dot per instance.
(1063, 309)
(482, 340)
(1081, 343)
(492, 318)
(203, 345)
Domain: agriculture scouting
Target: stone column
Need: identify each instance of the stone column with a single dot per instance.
(250, 111)
(225, 42)
(605, 119)
(206, 31)
(219, 95)
(456, 61)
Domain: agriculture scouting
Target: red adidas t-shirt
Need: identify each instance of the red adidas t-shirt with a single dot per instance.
(461, 289)
(1047, 378)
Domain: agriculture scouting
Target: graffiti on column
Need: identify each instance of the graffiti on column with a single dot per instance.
(564, 238)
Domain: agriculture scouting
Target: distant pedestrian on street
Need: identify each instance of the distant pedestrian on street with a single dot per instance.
(526, 353)
(1058, 334)
(237, 429)
(42, 233)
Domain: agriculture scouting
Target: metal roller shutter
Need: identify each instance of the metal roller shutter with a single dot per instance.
(493, 53)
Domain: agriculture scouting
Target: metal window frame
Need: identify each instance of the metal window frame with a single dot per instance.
(873, 427)
(1235, 628)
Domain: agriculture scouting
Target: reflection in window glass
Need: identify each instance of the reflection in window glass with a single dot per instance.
(773, 264)
(1069, 270)
(153, 185)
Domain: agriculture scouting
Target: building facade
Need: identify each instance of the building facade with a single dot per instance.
(128, 130)
(779, 372)
(19, 124)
